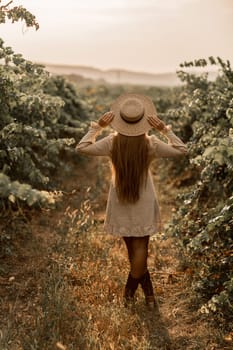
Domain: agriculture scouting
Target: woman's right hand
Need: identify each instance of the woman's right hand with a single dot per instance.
(157, 123)
(106, 119)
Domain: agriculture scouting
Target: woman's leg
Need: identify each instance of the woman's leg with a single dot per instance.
(137, 248)
(138, 253)
(132, 283)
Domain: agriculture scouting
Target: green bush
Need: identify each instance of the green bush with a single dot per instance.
(41, 116)
(204, 221)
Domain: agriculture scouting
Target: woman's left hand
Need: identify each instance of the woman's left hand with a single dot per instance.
(106, 119)
(156, 123)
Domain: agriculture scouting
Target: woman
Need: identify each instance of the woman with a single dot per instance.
(132, 207)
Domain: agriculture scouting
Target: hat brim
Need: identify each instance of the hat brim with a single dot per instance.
(132, 129)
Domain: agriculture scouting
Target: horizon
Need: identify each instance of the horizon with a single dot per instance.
(208, 68)
(123, 76)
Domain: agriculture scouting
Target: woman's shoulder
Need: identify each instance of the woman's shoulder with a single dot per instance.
(110, 136)
(108, 140)
(152, 139)
(153, 142)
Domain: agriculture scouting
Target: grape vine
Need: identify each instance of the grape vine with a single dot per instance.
(204, 221)
(40, 117)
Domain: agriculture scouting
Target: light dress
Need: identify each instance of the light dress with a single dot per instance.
(143, 217)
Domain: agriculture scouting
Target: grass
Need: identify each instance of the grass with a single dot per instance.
(62, 285)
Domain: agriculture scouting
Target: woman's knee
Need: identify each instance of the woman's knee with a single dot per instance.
(138, 271)
(138, 252)
(139, 263)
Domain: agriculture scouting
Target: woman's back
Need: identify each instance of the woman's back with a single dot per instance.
(130, 158)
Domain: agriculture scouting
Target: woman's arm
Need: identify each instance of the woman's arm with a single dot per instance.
(88, 144)
(174, 148)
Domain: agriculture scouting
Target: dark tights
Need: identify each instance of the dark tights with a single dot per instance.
(138, 252)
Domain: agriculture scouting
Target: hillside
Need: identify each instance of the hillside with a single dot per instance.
(117, 76)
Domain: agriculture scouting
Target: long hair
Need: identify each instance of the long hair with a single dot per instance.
(130, 160)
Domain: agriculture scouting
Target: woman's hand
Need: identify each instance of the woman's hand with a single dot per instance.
(106, 119)
(157, 123)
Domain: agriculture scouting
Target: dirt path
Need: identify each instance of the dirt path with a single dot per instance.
(103, 266)
(62, 286)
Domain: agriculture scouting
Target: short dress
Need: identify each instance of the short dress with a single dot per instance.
(143, 217)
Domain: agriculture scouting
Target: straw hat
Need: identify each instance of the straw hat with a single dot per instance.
(131, 112)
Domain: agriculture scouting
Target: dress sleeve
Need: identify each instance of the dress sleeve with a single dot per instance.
(88, 144)
(174, 148)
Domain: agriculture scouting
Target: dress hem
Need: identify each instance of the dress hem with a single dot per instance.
(129, 232)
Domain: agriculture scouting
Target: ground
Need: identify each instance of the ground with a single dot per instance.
(62, 277)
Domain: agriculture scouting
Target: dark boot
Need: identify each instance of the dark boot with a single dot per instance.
(147, 288)
(130, 289)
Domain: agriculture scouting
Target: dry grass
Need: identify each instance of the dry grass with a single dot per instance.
(62, 287)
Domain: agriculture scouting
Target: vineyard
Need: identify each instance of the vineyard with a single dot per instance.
(201, 113)
(42, 117)
(204, 220)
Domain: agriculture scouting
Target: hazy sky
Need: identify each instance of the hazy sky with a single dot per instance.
(144, 35)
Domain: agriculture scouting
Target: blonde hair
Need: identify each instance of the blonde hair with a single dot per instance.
(130, 160)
